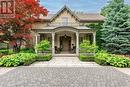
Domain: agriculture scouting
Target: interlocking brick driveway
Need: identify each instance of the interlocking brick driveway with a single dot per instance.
(64, 77)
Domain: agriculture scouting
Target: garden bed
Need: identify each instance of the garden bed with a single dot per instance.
(104, 58)
(22, 59)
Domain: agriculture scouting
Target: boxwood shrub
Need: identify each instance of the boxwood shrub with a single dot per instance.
(84, 57)
(4, 51)
(27, 50)
(45, 57)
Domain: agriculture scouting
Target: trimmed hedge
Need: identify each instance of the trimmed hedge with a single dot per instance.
(83, 57)
(6, 52)
(46, 57)
(27, 50)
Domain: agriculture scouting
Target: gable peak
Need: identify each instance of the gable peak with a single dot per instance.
(65, 7)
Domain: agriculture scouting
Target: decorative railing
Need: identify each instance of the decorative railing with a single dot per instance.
(58, 24)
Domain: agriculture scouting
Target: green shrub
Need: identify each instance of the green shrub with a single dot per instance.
(101, 58)
(27, 58)
(85, 51)
(18, 59)
(118, 61)
(9, 61)
(86, 47)
(43, 45)
(83, 57)
(46, 57)
(27, 50)
(10, 52)
(129, 64)
(1, 55)
(4, 51)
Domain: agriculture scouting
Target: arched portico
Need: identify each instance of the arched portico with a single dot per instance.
(65, 40)
(75, 35)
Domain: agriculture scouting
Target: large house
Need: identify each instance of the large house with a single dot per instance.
(65, 30)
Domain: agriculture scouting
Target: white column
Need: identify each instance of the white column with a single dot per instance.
(94, 38)
(37, 35)
(53, 43)
(77, 43)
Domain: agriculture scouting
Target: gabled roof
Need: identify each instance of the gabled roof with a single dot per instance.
(64, 8)
(83, 17)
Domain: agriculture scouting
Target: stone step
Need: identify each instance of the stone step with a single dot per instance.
(65, 55)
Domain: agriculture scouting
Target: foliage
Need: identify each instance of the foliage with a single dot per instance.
(103, 58)
(17, 30)
(105, 10)
(108, 8)
(3, 46)
(27, 50)
(46, 57)
(116, 28)
(86, 47)
(22, 59)
(18, 59)
(87, 51)
(9, 61)
(6, 52)
(27, 58)
(84, 57)
(97, 27)
(44, 45)
(118, 61)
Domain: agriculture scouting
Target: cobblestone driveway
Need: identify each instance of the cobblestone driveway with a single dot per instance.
(64, 77)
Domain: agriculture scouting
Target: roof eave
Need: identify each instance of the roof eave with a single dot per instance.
(91, 20)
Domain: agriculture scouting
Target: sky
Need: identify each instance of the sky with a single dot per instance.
(87, 6)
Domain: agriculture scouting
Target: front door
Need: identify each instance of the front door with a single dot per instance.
(65, 43)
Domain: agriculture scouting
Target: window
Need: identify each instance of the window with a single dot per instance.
(65, 21)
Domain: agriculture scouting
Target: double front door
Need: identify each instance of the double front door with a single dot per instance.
(65, 43)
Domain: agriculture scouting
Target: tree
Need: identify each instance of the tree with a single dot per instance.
(108, 8)
(17, 30)
(116, 28)
(105, 10)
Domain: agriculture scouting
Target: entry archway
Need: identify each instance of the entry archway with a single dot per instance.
(65, 42)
